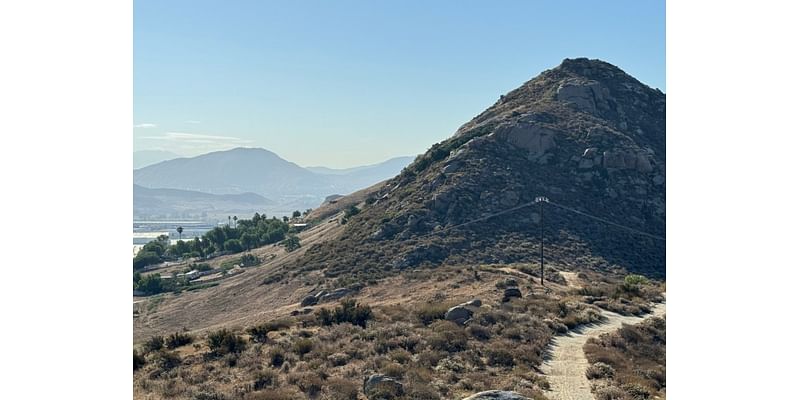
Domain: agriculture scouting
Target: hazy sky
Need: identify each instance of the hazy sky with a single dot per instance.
(347, 83)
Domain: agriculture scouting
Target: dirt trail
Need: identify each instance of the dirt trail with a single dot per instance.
(566, 368)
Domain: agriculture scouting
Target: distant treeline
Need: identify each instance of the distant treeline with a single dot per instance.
(247, 234)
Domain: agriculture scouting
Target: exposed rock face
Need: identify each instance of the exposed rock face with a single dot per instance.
(584, 134)
(532, 137)
(376, 383)
(589, 96)
(621, 159)
(497, 395)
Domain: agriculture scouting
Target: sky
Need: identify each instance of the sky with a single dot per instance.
(348, 83)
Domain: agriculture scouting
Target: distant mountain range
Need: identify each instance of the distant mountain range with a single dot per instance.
(144, 158)
(153, 203)
(287, 185)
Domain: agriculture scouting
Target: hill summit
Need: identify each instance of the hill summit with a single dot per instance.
(585, 134)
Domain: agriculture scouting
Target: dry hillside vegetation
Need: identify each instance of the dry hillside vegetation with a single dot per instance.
(324, 352)
(630, 364)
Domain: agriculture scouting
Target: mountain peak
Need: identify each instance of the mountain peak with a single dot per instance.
(584, 133)
(588, 67)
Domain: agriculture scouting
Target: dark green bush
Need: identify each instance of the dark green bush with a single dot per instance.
(224, 341)
(249, 260)
(178, 339)
(348, 311)
(259, 333)
(138, 360)
(155, 343)
(276, 357)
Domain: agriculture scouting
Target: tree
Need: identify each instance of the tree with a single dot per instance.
(285, 219)
(180, 232)
(235, 218)
(145, 258)
(233, 245)
(249, 240)
(291, 243)
(151, 284)
(296, 214)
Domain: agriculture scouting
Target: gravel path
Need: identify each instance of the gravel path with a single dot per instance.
(566, 367)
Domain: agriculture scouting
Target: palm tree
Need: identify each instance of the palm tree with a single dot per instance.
(180, 232)
(235, 218)
(229, 221)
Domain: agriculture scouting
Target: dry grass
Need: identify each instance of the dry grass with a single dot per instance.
(631, 362)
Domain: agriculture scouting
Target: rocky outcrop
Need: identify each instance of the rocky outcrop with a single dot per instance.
(532, 137)
(309, 301)
(589, 96)
(337, 294)
(377, 384)
(627, 159)
(461, 313)
(497, 395)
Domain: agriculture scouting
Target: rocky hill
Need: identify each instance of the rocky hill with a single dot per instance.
(585, 134)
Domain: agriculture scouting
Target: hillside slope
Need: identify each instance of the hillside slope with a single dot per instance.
(585, 134)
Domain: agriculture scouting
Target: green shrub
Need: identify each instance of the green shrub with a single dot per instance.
(276, 357)
(249, 260)
(633, 283)
(259, 333)
(291, 243)
(138, 360)
(265, 379)
(155, 343)
(166, 360)
(224, 341)
(303, 346)
(178, 339)
(347, 311)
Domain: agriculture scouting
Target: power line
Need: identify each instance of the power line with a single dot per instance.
(478, 219)
(608, 222)
(600, 219)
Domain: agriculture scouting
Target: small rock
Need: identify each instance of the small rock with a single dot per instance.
(497, 395)
(473, 303)
(308, 301)
(458, 314)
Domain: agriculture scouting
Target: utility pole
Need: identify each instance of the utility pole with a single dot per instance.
(541, 200)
